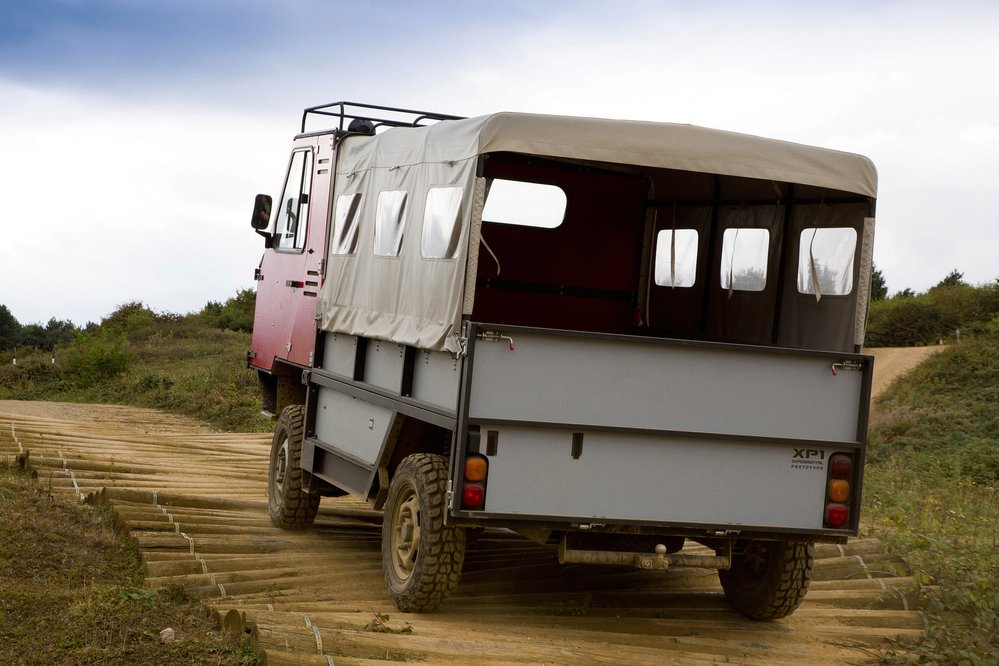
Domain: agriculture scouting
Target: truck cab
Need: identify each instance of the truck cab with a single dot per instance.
(615, 337)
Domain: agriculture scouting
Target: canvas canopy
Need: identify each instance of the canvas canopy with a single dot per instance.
(402, 293)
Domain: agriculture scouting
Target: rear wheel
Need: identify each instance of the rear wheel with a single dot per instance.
(290, 505)
(769, 579)
(421, 556)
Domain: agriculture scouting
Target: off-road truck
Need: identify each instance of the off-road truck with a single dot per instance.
(609, 335)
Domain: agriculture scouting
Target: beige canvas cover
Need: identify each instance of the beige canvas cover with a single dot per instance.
(415, 301)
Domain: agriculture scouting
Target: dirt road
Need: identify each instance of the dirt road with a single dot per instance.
(194, 502)
(890, 362)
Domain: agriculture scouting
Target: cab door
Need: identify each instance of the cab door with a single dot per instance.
(289, 275)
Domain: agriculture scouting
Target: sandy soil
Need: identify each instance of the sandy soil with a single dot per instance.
(144, 420)
(890, 362)
(507, 607)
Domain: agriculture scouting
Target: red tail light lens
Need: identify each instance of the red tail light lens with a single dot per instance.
(836, 515)
(472, 496)
(840, 467)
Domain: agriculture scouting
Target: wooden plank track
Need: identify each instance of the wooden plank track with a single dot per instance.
(195, 503)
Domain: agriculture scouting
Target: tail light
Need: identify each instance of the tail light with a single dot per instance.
(836, 515)
(473, 491)
(472, 496)
(475, 468)
(838, 490)
(840, 466)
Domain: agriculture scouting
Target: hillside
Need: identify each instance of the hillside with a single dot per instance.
(932, 492)
(193, 365)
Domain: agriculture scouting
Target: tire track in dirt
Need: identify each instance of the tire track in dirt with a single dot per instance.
(195, 503)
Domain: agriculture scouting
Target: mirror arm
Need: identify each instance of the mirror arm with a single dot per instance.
(268, 238)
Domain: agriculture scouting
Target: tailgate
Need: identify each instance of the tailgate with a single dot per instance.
(598, 428)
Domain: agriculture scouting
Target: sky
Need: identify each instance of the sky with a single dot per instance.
(134, 134)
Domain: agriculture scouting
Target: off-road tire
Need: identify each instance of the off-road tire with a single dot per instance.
(290, 505)
(769, 579)
(421, 557)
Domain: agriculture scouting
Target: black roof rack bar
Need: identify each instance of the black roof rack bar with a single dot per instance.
(340, 110)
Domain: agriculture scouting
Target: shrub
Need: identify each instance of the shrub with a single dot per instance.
(907, 320)
(96, 358)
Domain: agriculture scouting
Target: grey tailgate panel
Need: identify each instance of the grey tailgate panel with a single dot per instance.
(669, 432)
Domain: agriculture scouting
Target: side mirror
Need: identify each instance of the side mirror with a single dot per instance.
(261, 212)
(261, 219)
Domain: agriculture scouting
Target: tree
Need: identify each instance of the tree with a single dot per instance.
(905, 293)
(953, 279)
(879, 287)
(59, 330)
(10, 329)
(33, 335)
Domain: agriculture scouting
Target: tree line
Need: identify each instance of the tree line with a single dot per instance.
(940, 314)
(14, 334)
(235, 314)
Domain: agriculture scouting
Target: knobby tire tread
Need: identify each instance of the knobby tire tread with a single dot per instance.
(296, 509)
(780, 589)
(442, 551)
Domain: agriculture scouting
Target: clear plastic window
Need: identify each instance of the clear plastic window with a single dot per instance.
(345, 224)
(827, 255)
(676, 258)
(745, 253)
(293, 210)
(525, 204)
(441, 223)
(389, 222)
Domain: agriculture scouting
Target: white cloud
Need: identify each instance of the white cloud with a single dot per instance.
(108, 201)
(107, 204)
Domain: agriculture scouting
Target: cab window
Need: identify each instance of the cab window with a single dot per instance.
(293, 208)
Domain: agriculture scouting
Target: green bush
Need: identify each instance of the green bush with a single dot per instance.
(907, 320)
(96, 357)
(236, 314)
(132, 320)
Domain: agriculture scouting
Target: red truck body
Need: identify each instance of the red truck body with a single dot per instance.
(284, 327)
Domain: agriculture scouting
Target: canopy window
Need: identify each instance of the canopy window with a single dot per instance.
(597, 225)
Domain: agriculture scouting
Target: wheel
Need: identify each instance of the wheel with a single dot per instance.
(291, 506)
(421, 556)
(769, 579)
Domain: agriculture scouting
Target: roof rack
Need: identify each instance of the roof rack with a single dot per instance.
(355, 110)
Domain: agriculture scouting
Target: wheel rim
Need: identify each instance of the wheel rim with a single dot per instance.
(280, 468)
(405, 541)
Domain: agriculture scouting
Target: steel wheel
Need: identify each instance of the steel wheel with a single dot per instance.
(290, 504)
(405, 541)
(421, 556)
(279, 471)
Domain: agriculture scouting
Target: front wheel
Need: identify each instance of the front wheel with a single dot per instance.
(769, 579)
(290, 504)
(421, 556)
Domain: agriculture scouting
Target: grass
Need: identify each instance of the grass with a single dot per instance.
(932, 493)
(931, 489)
(71, 591)
(176, 364)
